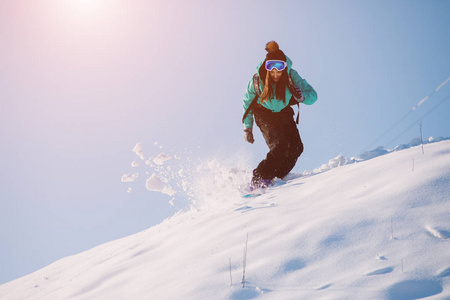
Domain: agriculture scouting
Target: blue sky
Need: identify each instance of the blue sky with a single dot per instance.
(82, 81)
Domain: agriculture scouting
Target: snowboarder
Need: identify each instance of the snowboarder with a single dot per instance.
(281, 87)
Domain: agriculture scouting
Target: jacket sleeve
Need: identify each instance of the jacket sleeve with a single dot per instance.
(249, 95)
(308, 91)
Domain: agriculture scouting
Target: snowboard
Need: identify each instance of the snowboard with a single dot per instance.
(252, 195)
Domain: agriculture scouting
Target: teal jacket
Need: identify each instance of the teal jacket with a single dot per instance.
(274, 104)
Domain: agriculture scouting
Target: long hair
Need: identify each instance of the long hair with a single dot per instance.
(280, 87)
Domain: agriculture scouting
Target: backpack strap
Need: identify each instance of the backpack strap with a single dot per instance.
(291, 86)
(256, 84)
(298, 113)
(258, 93)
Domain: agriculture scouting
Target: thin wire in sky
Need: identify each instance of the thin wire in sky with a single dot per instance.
(420, 119)
(414, 108)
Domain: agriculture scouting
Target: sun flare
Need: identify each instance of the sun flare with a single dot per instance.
(84, 6)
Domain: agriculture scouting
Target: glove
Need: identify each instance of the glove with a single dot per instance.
(248, 135)
(298, 94)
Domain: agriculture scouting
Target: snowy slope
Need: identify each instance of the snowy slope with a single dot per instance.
(377, 229)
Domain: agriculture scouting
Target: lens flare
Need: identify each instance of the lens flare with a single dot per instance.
(84, 6)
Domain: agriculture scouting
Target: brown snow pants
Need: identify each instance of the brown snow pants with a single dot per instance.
(283, 139)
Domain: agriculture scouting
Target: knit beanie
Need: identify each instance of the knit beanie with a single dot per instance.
(274, 52)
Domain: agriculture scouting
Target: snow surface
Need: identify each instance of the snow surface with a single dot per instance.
(374, 229)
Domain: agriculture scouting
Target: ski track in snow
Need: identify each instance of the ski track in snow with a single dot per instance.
(377, 229)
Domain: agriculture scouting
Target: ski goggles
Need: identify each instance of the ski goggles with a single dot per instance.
(275, 64)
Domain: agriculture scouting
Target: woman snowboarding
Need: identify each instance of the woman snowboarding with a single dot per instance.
(268, 97)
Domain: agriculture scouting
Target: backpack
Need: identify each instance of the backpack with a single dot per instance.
(295, 99)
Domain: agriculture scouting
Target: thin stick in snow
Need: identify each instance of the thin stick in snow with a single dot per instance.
(421, 139)
(244, 262)
(231, 278)
(392, 229)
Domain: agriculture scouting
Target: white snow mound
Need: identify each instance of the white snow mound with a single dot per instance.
(138, 150)
(376, 229)
(161, 158)
(129, 178)
(154, 183)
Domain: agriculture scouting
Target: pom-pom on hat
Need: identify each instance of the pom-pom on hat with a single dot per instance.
(274, 52)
